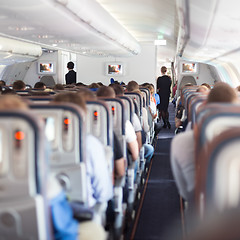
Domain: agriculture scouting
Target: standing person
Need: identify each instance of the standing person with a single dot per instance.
(71, 76)
(163, 86)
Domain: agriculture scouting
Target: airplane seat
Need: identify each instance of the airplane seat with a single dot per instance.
(217, 119)
(220, 189)
(117, 116)
(24, 212)
(129, 104)
(194, 108)
(139, 100)
(39, 99)
(65, 130)
(146, 94)
(48, 81)
(23, 93)
(99, 124)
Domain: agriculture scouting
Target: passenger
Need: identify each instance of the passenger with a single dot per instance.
(40, 86)
(71, 76)
(153, 112)
(131, 137)
(94, 86)
(182, 146)
(65, 226)
(119, 161)
(2, 83)
(8, 91)
(99, 181)
(163, 86)
(132, 86)
(206, 85)
(148, 149)
(202, 89)
(58, 87)
(19, 85)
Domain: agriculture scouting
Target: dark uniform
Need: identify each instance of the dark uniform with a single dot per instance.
(71, 77)
(163, 87)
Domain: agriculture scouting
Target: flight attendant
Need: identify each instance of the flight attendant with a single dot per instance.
(71, 76)
(163, 87)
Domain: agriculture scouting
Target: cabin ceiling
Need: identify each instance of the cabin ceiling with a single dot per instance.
(94, 28)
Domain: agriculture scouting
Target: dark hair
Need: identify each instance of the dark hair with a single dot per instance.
(18, 85)
(2, 83)
(40, 85)
(119, 91)
(58, 86)
(70, 65)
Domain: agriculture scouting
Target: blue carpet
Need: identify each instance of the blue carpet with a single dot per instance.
(161, 207)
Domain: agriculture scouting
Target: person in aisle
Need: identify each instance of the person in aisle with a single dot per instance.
(71, 76)
(163, 87)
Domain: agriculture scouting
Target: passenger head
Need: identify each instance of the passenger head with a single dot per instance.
(80, 84)
(87, 94)
(163, 69)
(19, 85)
(151, 89)
(222, 92)
(58, 87)
(93, 85)
(70, 65)
(12, 102)
(132, 85)
(40, 85)
(106, 92)
(8, 91)
(70, 97)
(2, 83)
(202, 89)
(119, 91)
(206, 85)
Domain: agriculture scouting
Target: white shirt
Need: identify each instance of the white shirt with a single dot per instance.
(100, 187)
(183, 163)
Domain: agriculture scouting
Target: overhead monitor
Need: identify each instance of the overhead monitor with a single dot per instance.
(114, 69)
(46, 67)
(189, 68)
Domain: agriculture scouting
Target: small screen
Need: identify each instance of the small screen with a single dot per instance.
(189, 68)
(115, 69)
(46, 67)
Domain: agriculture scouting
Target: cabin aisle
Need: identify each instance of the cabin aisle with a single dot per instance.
(161, 206)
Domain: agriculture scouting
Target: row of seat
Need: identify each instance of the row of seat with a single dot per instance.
(216, 134)
(65, 130)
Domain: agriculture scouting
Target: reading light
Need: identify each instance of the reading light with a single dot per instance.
(160, 42)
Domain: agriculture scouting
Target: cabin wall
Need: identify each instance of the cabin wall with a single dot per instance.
(32, 75)
(15, 72)
(140, 68)
(205, 74)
